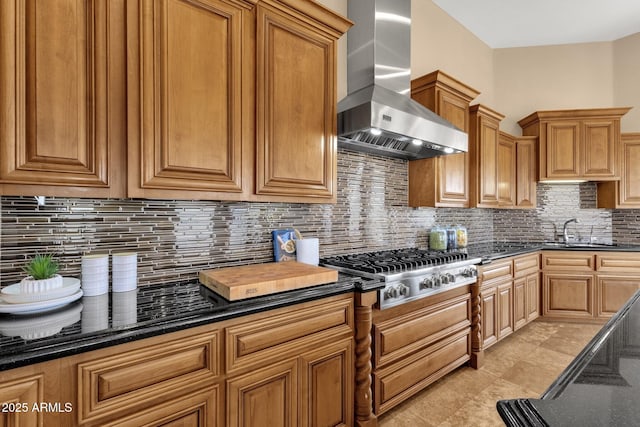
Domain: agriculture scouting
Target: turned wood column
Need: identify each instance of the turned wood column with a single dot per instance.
(477, 352)
(364, 416)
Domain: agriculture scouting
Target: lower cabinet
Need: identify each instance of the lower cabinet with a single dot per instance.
(489, 310)
(292, 366)
(588, 286)
(417, 343)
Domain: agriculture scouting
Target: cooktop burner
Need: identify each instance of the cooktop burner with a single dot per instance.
(392, 261)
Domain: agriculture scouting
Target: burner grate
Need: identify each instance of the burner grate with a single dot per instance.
(394, 261)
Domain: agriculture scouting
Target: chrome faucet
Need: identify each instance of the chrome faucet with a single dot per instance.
(565, 232)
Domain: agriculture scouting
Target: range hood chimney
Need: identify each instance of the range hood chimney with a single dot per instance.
(378, 115)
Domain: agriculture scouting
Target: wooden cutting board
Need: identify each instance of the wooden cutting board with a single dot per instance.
(247, 281)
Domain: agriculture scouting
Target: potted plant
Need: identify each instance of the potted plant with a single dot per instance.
(42, 271)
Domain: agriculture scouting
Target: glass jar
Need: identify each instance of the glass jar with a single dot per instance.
(461, 234)
(452, 238)
(438, 239)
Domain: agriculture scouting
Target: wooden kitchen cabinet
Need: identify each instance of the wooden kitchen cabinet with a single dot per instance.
(506, 170)
(505, 309)
(489, 309)
(62, 110)
(526, 289)
(568, 295)
(577, 144)
(519, 303)
(483, 157)
(496, 301)
(18, 393)
(296, 100)
(526, 171)
(232, 100)
(442, 181)
(613, 291)
(189, 66)
(624, 194)
(417, 343)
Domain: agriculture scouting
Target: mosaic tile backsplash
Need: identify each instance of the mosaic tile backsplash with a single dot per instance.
(176, 239)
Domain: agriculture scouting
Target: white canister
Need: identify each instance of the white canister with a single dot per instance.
(308, 251)
(124, 272)
(95, 275)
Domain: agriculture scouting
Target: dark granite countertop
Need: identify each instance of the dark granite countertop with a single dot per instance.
(492, 251)
(601, 387)
(115, 318)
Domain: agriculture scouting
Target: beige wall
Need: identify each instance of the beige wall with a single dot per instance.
(552, 78)
(518, 81)
(626, 83)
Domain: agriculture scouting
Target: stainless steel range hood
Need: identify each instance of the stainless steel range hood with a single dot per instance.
(378, 116)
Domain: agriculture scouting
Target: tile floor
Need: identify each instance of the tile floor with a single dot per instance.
(522, 365)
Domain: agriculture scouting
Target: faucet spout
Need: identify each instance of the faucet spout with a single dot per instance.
(565, 232)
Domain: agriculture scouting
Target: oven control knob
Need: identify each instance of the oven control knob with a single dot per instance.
(391, 293)
(426, 283)
(437, 281)
(444, 279)
(450, 278)
(403, 289)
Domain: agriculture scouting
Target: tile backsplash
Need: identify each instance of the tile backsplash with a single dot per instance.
(176, 239)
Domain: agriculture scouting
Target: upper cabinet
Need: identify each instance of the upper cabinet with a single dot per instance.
(506, 170)
(526, 171)
(442, 181)
(186, 73)
(296, 100)
(232, 100)
(577, 144)
(483, 155)
(184, 99)
(62, 115)
(626, 192)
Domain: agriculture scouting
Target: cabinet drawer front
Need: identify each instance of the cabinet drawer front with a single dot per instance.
(396, 383)
(258, 341)
(404, 335)
(525, 265)
(143, 377)
(618, 263)
(497, 270)
(562, 260)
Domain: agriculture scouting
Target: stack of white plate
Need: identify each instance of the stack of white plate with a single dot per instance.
(14, 301)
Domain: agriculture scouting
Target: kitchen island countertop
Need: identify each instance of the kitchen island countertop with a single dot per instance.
(116, 318)
(599, 388)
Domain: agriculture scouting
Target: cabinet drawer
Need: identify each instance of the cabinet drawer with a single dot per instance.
(401, 380)
(618, 263)
(561, 260)
(495, 271)
(525, 265)
(401, 336)
(136, 379)
(274, 338)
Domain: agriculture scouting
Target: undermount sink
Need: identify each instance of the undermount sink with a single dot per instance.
(579, 245)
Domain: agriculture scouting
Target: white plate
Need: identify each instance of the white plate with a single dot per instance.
(12, 294)
(38, 307)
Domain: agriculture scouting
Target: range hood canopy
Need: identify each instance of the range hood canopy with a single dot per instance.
(378, 116)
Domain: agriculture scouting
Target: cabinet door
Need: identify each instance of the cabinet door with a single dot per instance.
(630, 181)
(200, 409)
(269, 393)
(505, 309)
(519, 303)
(185, 90)
(563, 149)
(18, 397)
(600, 149)
(506, 171)
(60, 118)
(453, 169)
(526, 172)
(488, 174)
(568, 295)
(489, 313)
(327, 393)
(532, 297)
(614, 292)
(296, 99)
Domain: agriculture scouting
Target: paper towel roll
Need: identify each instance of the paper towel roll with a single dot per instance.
(308, 251)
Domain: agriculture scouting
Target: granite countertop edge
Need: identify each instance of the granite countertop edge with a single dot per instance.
(58, 347)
